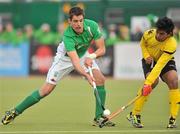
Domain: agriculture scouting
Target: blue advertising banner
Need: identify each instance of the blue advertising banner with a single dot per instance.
(14, 60)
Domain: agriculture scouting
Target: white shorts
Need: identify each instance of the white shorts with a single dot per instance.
(62, 66)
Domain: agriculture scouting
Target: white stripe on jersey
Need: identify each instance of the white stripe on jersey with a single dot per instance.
(61, 49)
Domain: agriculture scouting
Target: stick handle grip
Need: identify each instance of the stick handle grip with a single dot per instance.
(91, 74)
(152, 64)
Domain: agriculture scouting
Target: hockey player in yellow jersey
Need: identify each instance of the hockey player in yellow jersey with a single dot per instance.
(158, 47)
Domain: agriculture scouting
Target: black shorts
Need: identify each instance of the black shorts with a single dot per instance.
(171, 65)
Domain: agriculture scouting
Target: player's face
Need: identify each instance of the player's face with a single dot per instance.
(77, 23)
(161, 35)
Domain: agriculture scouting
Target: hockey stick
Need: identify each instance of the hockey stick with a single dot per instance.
(120, 110)
(95, 90)
(123, 107)
(152, 64)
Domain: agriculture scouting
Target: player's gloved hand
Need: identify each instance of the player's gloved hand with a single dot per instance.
(146, 90)
(149, 60)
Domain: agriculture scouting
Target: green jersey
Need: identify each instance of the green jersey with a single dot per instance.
(81, 42)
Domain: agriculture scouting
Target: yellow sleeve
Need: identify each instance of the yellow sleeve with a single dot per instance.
(154, 74)
(145, 53)
(170, 46)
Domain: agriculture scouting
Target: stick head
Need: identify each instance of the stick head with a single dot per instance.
(103, 122)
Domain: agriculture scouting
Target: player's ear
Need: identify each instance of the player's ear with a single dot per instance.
(171, 34)
(69, 21)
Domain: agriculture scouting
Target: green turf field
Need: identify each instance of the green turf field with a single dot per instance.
(70, 108)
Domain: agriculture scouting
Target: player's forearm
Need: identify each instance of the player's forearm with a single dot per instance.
(79, 69)
(154, 74)
(76, 62)
(101, 49)
(100, 52)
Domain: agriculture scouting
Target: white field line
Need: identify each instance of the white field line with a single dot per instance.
(116, 131)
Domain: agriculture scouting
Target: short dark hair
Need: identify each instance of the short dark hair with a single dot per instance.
(75, 11)
(165, 24)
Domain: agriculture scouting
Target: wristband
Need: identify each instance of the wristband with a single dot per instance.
(92, 56)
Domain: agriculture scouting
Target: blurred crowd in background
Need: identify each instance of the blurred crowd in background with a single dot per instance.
(30, 32)
(114, 29)
(44, 35)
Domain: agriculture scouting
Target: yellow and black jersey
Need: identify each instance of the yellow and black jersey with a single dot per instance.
(161, 52)
(151, 47)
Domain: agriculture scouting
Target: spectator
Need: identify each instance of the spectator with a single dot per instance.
(136, 36)
(103, 30)
(20, 37)
(59, 33)
(29, 31)
(152, 19)
(124, 33)
(44, 35)
(112, 35)
(2, 40)
(10, 33)
(176, 34)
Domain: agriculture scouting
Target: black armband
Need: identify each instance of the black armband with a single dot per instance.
(169, 52)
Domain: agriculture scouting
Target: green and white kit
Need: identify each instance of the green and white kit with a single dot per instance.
(62, 64)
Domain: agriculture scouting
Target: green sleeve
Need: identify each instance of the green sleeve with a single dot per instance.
(69, 43)
(95, 31)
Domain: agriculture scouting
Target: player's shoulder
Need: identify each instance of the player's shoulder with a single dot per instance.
(171, 44)
(172, 40)
(149, 33)
(68, 32)
(89, 22)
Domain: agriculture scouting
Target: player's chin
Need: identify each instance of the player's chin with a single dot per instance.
(79, 31)
(161, 39)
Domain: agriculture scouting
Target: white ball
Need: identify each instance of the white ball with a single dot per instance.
(106, 112)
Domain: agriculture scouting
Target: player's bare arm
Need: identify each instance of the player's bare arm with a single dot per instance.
(98, 53)
(100, 47)
(76, 63)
